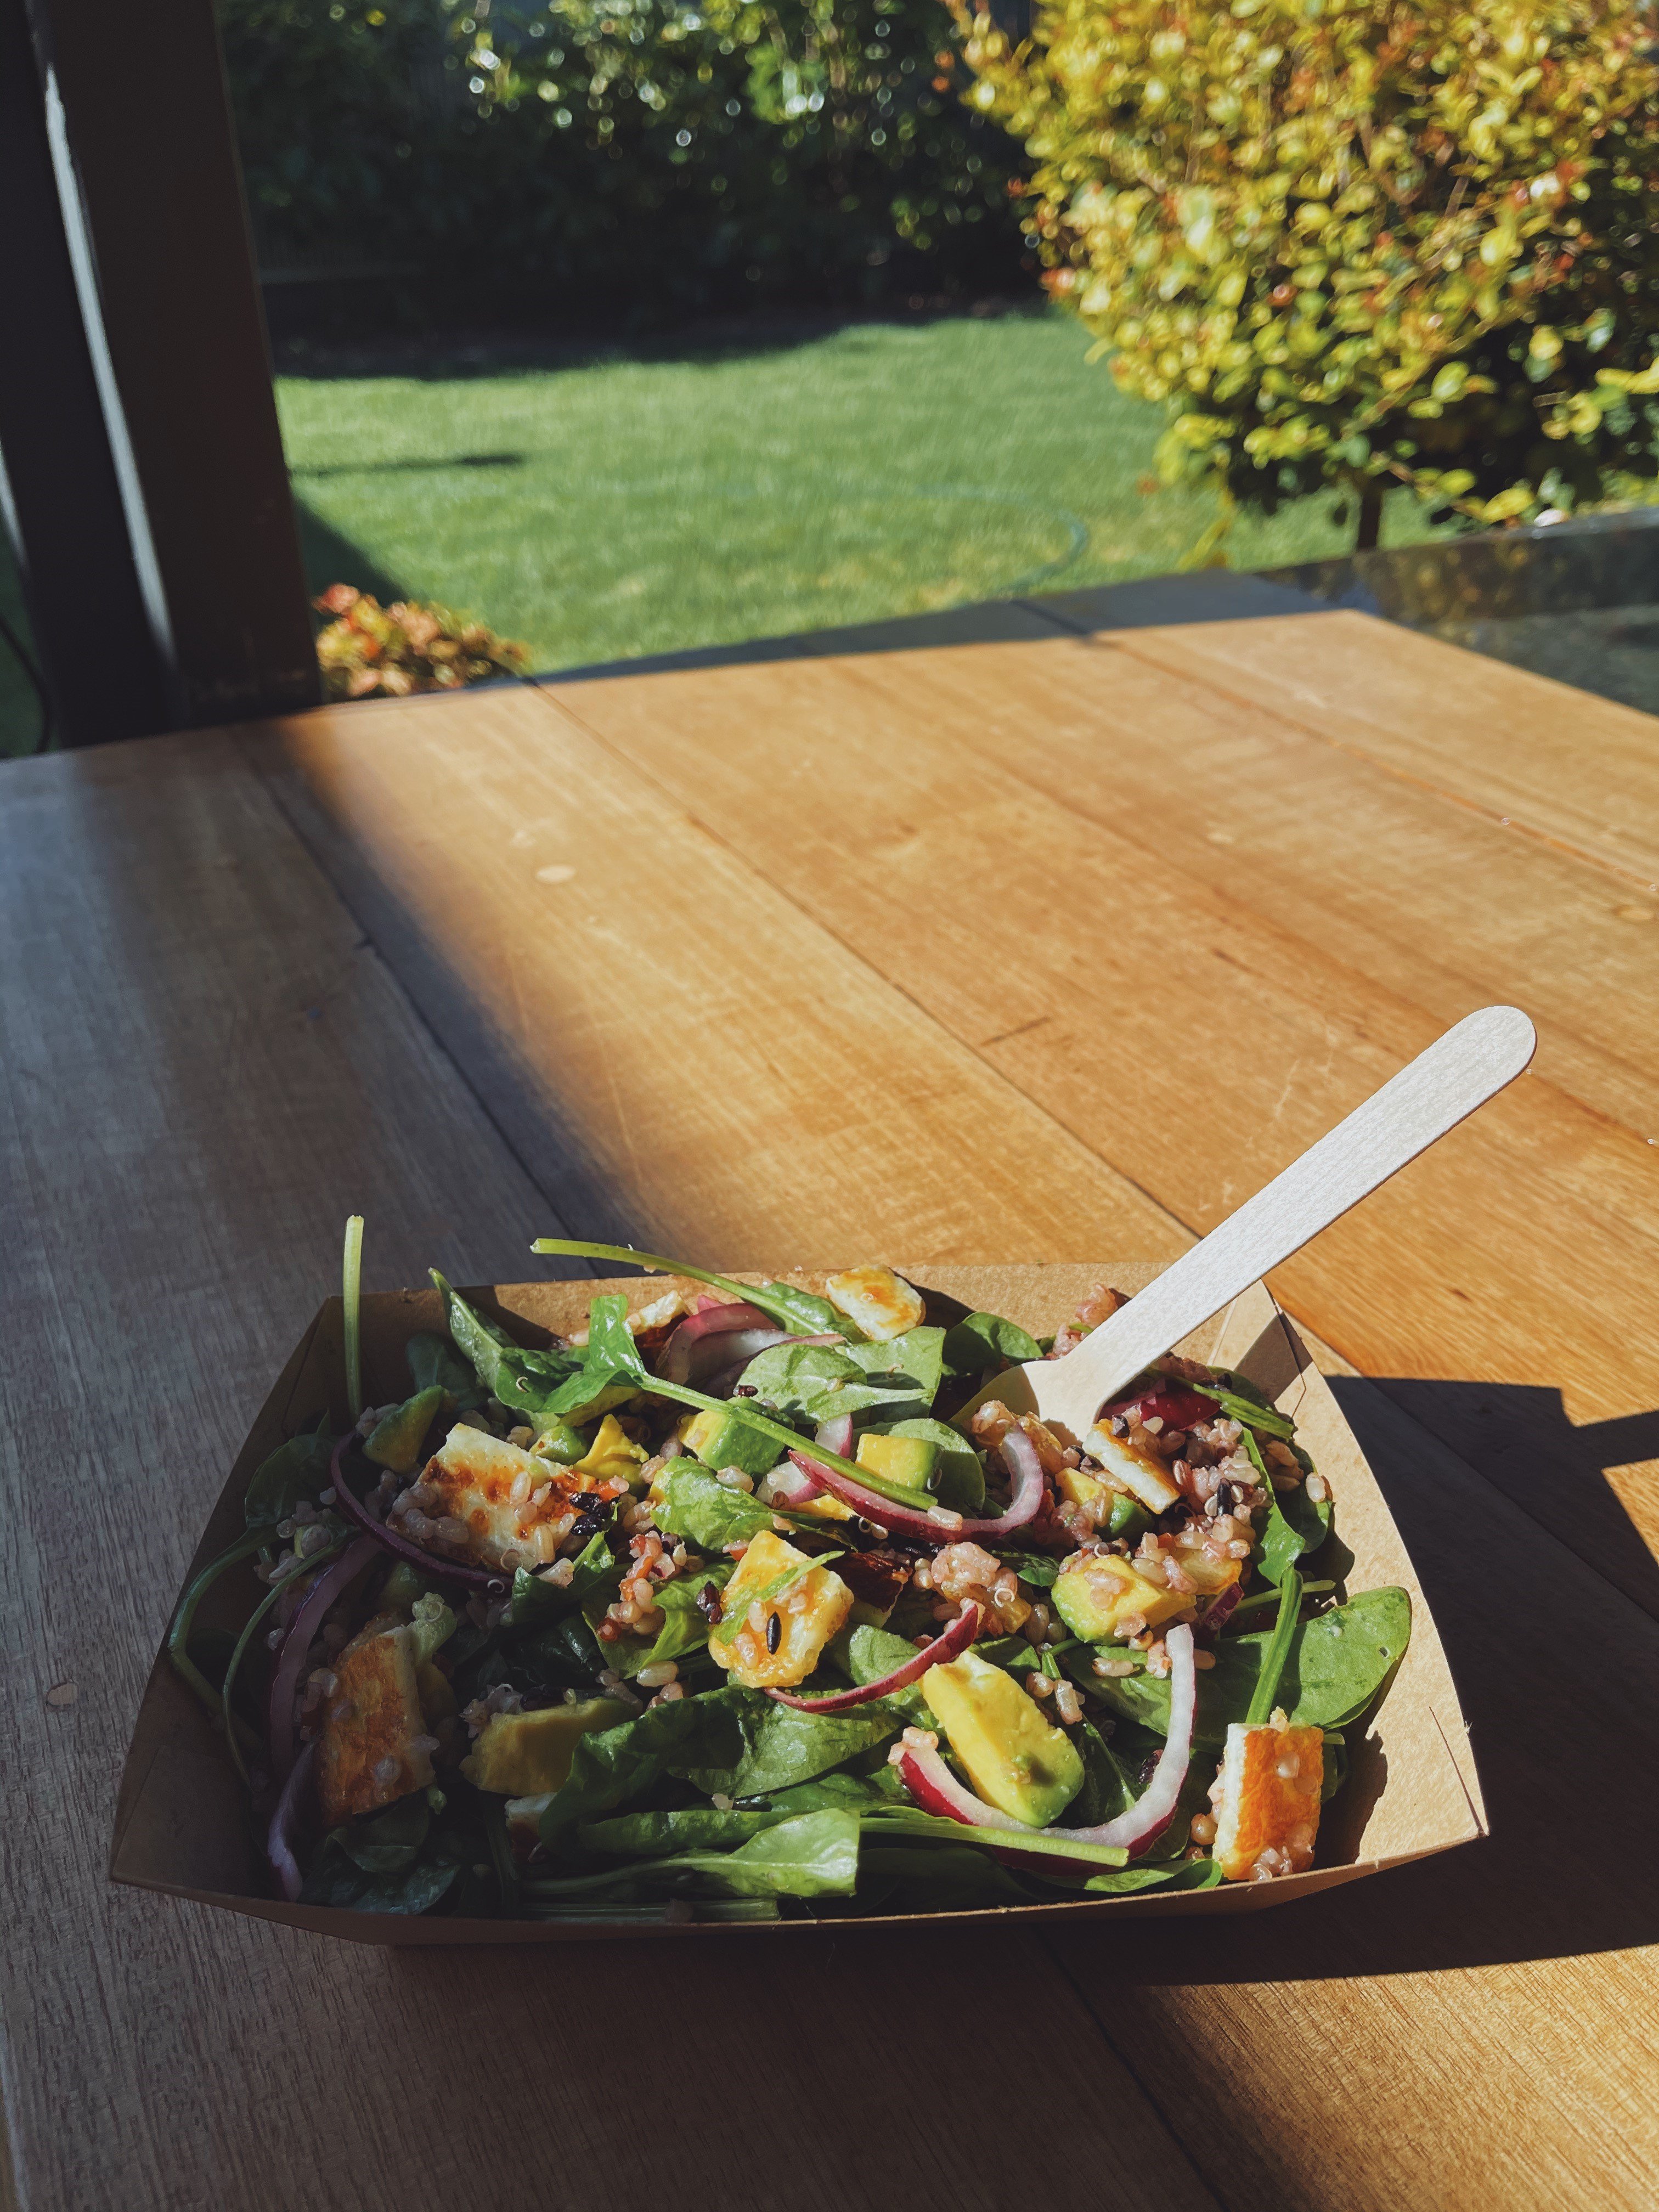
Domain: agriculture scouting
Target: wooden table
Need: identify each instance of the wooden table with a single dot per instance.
(1038, 941)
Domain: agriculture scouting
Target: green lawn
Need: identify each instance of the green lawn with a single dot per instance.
(656, 498)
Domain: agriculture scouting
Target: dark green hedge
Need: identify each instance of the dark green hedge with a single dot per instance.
(640, 158)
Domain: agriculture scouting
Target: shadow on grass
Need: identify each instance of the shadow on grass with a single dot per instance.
(330, 558)
(727, 338)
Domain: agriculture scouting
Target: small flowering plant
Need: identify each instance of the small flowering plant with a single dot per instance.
(372, 652)
(747, 1600)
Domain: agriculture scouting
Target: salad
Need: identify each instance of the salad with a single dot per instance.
(748, 1602)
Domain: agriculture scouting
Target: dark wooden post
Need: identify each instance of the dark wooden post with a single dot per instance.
(149, 130)
(103, 660)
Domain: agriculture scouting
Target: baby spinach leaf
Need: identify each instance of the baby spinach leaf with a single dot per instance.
(1243, 1403)
(610, 1359)
(297, 1469)
(535, 1603)
(1186, 1874)
(775, 1746)
(684, 1629)
(1335, 1765)
(1108, 1786)
(809, 1855)
(1338, 1661)
(857, 1793)
(816, 1381)
(478, 1338)
(694, 1828)
(872, 1652)
(617, 1766)
(984, 1341)
(935, 1878)
(432, 1361)
(1036, 1568)
(695, 1504)
(1294, 1525)
(388, 1841)
(336, 1879)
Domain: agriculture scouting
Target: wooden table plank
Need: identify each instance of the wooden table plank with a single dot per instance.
(1565, 765)
(1472, 2030)
(677, 1051)
(1091, 965)
(202, 1067)
(1314, 2059)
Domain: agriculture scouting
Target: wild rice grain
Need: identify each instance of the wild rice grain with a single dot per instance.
(775, 1631)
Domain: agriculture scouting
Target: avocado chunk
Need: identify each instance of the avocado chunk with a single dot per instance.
(1095, 1598)
(1016, 1759)
(726, 1439)
(396, 1441)
(909, 1459)
(521, 1755)
(956, 1477)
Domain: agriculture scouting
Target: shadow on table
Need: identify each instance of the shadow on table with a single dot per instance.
(1556, 1672)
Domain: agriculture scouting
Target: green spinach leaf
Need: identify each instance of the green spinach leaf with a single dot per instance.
(388, 1841)
(776, 1747)
(297, 1469)
(984, 1341)
(617, 1766)
(816, 1382)
(694, 1828)
(1338, 1662)
(433, 1361)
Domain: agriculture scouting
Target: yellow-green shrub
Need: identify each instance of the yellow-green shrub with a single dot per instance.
(1366, 240)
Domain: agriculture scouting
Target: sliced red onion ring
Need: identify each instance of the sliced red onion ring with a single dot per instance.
(931, 1782)
(405, 1547)
(788, 1485)
(936, 1789)
(939, 1526)
(279, 1838)
(694, 1347)
(836, 1435)
(956, 1639)
(336, 1577)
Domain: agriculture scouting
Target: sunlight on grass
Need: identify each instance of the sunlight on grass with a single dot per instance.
(652, 500)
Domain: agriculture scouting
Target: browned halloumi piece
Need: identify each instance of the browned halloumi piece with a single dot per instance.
(1268, 1801)
(472, 1477)
(375, 1715)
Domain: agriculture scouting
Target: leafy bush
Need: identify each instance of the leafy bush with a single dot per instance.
(1366, 240)
(370, 652)
(641, 153)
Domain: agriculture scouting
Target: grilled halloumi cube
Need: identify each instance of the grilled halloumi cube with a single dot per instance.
(1267, 1801)
(883, 1304)
(487, 1484)
(373, 1724)
(657, 1315)
(808, 1611)
(1142, 1472)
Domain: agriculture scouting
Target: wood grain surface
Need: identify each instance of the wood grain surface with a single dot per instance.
(1183, 1006)
(733, 964)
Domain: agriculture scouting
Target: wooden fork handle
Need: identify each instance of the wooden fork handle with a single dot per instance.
(1437, 1089)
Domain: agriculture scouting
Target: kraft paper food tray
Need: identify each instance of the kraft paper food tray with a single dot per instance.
(181, 1825)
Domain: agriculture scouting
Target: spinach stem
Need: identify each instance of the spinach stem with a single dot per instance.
(1277, 1654)
(1271, 1596)
(352, 1295)
(253, 1540)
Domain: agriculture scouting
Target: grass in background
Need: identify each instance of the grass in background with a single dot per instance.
(649, 500)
